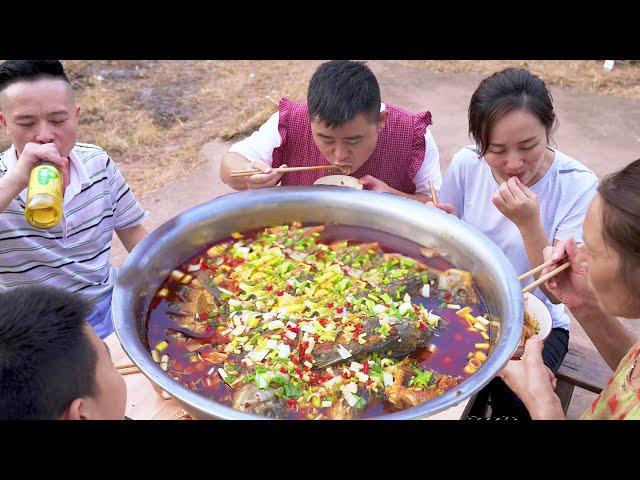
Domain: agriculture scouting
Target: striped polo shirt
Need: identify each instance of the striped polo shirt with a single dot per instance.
(74, 254)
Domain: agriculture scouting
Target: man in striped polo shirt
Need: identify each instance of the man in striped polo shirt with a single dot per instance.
(38, 112)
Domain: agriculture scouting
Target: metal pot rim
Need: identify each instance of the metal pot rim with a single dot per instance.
(132, 294)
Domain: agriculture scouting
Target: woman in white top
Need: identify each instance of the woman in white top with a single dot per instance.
(521, 193)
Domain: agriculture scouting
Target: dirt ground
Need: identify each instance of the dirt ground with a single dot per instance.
(153, 117)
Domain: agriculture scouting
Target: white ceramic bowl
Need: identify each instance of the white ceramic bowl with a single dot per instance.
(539, 312)
(339, 181)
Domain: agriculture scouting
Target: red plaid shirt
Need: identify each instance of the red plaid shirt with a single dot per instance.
(396, 159)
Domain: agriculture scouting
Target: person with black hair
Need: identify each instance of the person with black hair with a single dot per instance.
(343, 123)
(52, 364)
(40, 116)
(521, 193)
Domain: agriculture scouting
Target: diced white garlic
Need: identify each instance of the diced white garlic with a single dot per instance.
(290, 335)
(379, 308)
(404, 308)
(284, 350)
(355, 366)
(258, 354)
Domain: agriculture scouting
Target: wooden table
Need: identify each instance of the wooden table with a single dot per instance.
(143, 403)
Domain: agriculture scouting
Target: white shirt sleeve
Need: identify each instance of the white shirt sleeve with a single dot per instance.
(571, 225)
(261, 143)
(430, 168)
(452, 191)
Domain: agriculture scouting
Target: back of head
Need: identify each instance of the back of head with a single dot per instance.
(12, 71)
(503, 92)
(620, 193)
(340, 90)
(46, 357)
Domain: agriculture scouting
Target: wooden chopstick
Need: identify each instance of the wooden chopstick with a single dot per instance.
(536, 270)
(253, 171)
(127, 369)
(541, 267)
(546, 277)
(434, 194)
(126, 365)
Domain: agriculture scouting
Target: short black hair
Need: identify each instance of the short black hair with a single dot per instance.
(339, 90)
(46, 356)
(12, 71)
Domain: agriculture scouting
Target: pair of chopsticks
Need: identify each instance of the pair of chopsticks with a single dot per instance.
(252, 171)
(545, 277)
(127, 369)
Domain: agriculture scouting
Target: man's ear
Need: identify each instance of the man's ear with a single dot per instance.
(382, 120)
(77, 410)
(77, 112)
(3, 121)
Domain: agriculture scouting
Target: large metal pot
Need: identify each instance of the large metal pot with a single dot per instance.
(178, 239)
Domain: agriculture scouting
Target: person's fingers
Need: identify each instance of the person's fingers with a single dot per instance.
(507, 371)
(498, 201)
(552, 378)
(526, 190)
(532, 349)
(52, 156)
(515, 190)
(264, 179)
(572, 249)
(65, 170)
(34, 154)
(559, 250)
(505, 193)
(260, 165)
(547, 252)
(367, 180)
(445, 207)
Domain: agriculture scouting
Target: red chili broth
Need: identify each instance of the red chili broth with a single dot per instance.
(453, 342)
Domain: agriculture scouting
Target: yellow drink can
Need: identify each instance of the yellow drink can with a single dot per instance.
(44, 197)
